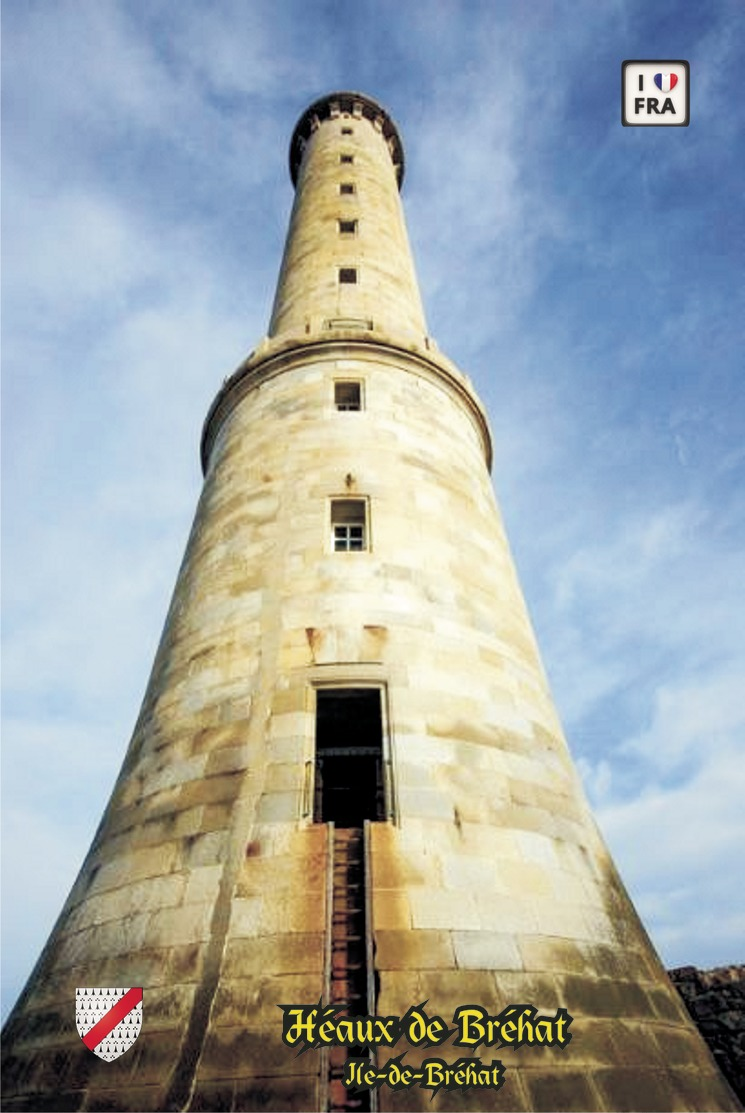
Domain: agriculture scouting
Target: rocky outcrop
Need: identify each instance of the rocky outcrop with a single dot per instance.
(716, 1001)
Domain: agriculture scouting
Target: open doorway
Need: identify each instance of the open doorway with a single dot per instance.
(349, 785)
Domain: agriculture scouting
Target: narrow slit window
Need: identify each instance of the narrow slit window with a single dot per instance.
(349, 533)
(347, 275)
(347, 227)
(346, 188)
(346, 158)
(348, 395)
(347, 131)
(349, 780)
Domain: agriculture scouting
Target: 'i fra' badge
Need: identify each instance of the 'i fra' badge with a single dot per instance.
(655, 94)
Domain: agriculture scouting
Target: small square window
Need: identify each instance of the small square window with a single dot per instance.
(346, 188)
(347, 275)
(346, 158)
(348, 525)
(347, 131)
(348, 395)
(347, 227)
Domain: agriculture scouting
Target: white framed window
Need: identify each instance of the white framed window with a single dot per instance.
(349, 526)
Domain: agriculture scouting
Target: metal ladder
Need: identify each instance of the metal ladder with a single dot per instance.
(350, 978)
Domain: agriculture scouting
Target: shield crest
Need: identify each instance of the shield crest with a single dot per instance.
(108, 1020)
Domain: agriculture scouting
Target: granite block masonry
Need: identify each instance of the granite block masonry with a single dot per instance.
(348, 782)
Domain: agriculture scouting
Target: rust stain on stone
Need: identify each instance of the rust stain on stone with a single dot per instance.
(315, 637)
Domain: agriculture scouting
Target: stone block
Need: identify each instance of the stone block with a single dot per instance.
(214, 738)
(230, 759)
(551, 954)
(559, 918)
(66, 1068)
(599, 926)
(283, 873)
(115, 937)
(426, 803)
(438, 910)
(667, 1006)
(245, 916)
(526, 878)
(143, 1098)
(62, 1101)
(642, 1090)
(477, 874)
(213, 1097)
(207, 849)
(283, 777)
(419, 950)
(290, 700)
(294, 1093)
(395, 869)
(241, 1052)
(135, 865)
(398, 991)
(500, 912)
(391, 910)
(254, 1000)
(518, 987)
(184, 962)
(202, 884)
(210, 790)
(604, 997)
(154, 1057)
(295, 953)
(702, 1089)
(302, 912)
(166, 1007)
(139, 897)
(486, 950)
(445, 990)
(279, 807)
(559, 1089)
(414, 1100)
(189, 923)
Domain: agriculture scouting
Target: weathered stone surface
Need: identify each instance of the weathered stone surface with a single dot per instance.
(208, 880)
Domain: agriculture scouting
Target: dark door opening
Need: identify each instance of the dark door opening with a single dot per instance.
(349, 757)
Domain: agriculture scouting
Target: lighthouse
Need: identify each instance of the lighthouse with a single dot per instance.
(348, 787)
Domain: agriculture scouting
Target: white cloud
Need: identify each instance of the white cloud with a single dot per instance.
(88, 237)
(679, 852)
(692, 720)
(41, 859)
(86, 63)
(255, 62)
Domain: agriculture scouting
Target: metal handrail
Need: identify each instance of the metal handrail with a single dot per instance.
(327, 953)
(369, 943)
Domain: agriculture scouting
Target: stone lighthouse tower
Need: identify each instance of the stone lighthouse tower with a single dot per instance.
(347, 781)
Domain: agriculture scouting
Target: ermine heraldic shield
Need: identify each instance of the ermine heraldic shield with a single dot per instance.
(108, 1020)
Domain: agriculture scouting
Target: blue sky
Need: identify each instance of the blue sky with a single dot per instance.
(587, 276)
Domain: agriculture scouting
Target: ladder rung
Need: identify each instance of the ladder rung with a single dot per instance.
(347, 954)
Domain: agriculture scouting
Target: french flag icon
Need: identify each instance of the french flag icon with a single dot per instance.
(665, 81)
